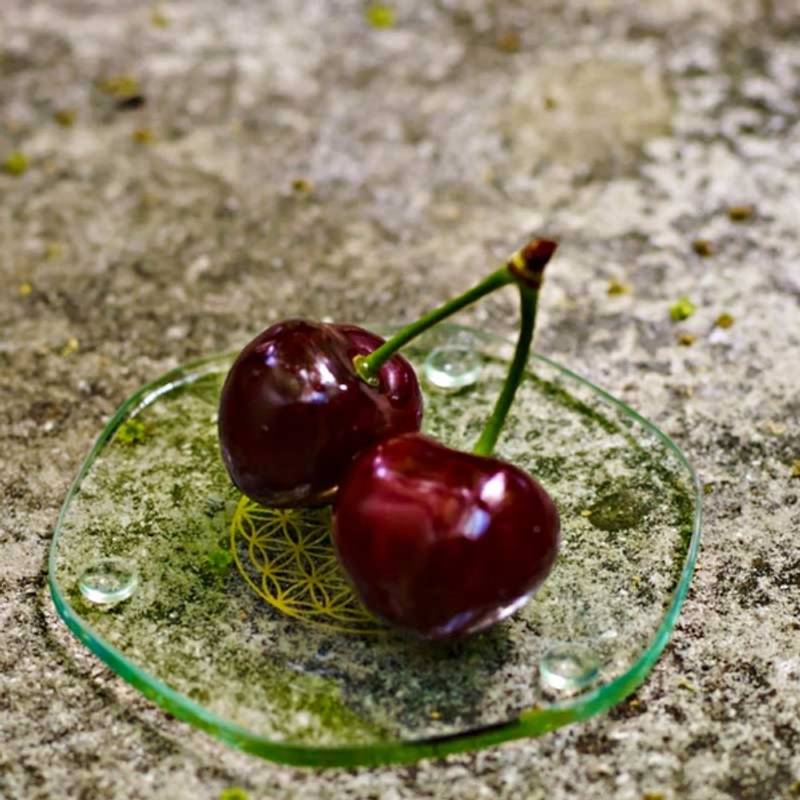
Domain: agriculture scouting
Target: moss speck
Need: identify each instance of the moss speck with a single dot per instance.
(302, 186)
(132, 431)
(220, 559)
(70, 346)
(65, 117)
(233, 793)
(16, 163)
(740, 213)
(380, 16)
(158, 19)
(120, 87)
(682, 309)
(703, 247)
(143, 136)
(724, 320)
(616, 288)
(508, 42)
(52, 250)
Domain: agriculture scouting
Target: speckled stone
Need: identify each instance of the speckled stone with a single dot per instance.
(147, 233)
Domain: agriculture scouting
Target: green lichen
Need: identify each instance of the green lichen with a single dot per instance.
(552, 467)
(619, 510)
(303, 706)
(679, 499)
(566, 400)
(220, 559)
(206, 388)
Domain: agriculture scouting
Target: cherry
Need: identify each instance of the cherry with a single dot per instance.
(294, 412)
(443, 543)
(303, 398)
(439, 542)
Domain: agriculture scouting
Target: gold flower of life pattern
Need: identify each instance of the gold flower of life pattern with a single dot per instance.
(286, 557)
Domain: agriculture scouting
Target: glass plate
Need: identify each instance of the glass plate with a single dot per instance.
(237, 619)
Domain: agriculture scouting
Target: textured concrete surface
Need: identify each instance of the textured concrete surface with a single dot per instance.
(287, 157)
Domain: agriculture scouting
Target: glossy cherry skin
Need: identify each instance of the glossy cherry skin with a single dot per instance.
(293, 411)
(439, 542)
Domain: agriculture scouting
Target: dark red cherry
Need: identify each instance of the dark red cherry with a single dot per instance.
(293, 412)
(439, 542)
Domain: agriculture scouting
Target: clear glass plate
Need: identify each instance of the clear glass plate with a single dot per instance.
(237, 619)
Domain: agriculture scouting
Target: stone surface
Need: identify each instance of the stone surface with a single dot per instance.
(289, 158)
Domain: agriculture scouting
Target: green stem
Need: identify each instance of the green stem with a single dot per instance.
(524, 266)
(529, 300)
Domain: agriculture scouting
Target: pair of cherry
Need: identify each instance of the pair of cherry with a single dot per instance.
(435, 541)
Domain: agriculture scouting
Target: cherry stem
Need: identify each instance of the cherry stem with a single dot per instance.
(529, 302)
(525, 266)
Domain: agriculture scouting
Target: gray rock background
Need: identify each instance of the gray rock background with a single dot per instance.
(290, 158)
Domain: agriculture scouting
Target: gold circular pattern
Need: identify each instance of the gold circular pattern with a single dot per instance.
(287, 558)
